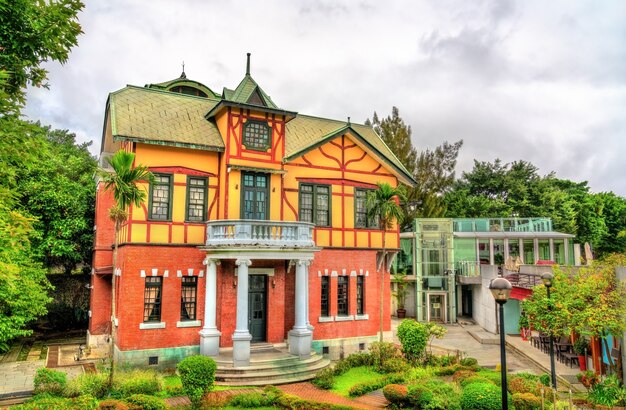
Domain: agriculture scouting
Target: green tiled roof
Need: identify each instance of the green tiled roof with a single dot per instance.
(244, 90)
(305, 133)
(161, 117)
(183, 80)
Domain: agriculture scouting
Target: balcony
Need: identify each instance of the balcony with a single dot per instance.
(260, 234)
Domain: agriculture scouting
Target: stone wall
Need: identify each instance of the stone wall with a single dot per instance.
(483, 304)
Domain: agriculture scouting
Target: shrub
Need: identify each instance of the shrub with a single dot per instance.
(469, 361)
(366, 387)
(394, 365)
(476, 379)
(252, 400)
(527, 376)
(380, 352)
(446, 371)
(112, 404)
(545, 379)
(85, 402)
(197, 373)
(492, 376)
(50, 381)
(448, 360)
(324, 379)
(481, 396)
(608, 392)
(288, 401)
(522, 385)
(146, 402)
(526, 401)
(94, 384)
(461, 375)
(445, 396)
(396, 394)
(138, 382)
(419, 396)
(359, 359)
(414, 336)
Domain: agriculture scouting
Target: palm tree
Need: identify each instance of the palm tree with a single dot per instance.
(122, 181)
(382, 204)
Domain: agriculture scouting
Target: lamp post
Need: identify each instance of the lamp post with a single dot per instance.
(501, 289)
(547, 279)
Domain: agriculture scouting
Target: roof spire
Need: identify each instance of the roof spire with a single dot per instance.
(248, 65)
(183, 75)
(349, 122)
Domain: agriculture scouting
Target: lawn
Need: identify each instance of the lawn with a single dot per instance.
(354, 376)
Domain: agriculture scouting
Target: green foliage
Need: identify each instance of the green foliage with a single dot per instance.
(468, 361)
(23, 283)
(581, 345)
(48, 381)
(85, 402)
(32, 33)
(380, 352)
(396, 394)
(419, 396)
(366, 387)
(359, 359)
(324, 379)
(481, 396)
(461, 375)
(401, 288)
(608, 392)
(356, 375)
(197, 374)
(493, 376)
(414, 336)
(526, 401)
(137, 382)
(288, 401)
(395, 365)
(70, 306)
(588, 378)
(253, 400)
(475, 379)
(94, 384)
(145, 402)
(545, 379)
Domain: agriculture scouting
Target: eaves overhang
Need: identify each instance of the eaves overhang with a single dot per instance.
(289, 115)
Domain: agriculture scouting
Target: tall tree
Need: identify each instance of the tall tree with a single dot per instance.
(31, 33)
(382, 204)
(122, 179)
(432, 169)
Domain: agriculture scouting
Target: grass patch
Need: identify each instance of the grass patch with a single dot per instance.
(354, 376)
(23, 354)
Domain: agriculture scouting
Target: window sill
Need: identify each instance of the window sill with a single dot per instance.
(151, 325)
(325, 319)
(362, 317)
(344, 318)
(189, 323)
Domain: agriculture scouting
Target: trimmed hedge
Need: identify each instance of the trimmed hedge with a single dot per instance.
(112, 404)
(85, 402)
(396, 394)
(526, 401)
(481, 396)
(197, 373)
(364, 388)
(146, 402)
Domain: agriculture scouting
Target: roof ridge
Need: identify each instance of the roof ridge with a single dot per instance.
(169, 93)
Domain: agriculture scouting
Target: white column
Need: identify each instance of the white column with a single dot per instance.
(300, 337)
(536, 250)
(210, 335)
(521, 250)
(308, 323)
(491, 252)
(242, 336)
(551, 249)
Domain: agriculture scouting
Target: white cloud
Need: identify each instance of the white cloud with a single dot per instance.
(543, 82)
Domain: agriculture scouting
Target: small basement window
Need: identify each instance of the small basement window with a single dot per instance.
(325, 350)
(361, 346)
(153, 360)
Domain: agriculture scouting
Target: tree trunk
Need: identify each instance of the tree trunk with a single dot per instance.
(382, 286)
(113, 305)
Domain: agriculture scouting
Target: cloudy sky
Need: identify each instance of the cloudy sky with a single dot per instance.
(542, 81)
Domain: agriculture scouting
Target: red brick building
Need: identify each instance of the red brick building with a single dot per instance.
(255, 228)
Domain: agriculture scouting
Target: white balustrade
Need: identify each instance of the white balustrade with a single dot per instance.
(261, 233)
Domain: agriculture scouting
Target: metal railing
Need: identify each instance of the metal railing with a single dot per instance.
(244, 232)
(502, 224)
(468, 268)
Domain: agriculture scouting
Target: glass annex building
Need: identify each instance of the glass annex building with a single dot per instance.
(448, 260)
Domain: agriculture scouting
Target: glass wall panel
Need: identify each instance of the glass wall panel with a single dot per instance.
(513, 247)
(483, 251)
(559, 251)
(529, 252)
(498, 252)
(544, 250)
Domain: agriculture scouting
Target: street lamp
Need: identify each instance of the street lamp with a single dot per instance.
(547, 279)
(501, 289)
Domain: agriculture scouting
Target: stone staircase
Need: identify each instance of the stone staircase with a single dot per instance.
(268, 365)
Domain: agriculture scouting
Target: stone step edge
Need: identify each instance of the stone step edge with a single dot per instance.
(269, 363)
(276, 372)
(266, 382)
(286, 358)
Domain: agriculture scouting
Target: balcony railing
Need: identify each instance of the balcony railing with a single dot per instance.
(468, 268)
(245, 232)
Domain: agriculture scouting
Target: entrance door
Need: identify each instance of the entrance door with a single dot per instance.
(257, 312)
(254, 196)
(436, 306)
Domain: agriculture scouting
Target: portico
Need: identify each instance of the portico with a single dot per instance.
(247, 242)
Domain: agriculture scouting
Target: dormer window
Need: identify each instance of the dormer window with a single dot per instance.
(256, 135)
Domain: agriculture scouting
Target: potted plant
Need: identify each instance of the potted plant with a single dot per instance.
(400, 292)
(580, 348)
(524, 327)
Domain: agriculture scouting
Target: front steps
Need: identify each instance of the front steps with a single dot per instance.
(268, 365)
